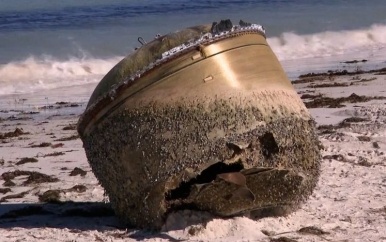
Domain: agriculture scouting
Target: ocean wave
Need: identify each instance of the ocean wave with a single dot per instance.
(34, 74)
(41, 73)
(369, 41)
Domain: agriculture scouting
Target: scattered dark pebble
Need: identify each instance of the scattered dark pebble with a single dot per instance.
(375, 145)
(78, 171)
(26, 160)
(26, 211)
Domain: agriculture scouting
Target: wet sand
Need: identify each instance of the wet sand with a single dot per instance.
(49, 193)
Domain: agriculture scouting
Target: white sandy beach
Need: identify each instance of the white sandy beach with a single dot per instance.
(349, 203)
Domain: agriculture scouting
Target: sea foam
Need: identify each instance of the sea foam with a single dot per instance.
(42, 73)
(290, 46)
(34, 74)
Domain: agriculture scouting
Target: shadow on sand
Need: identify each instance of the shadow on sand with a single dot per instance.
(80, 216)
(71, 215)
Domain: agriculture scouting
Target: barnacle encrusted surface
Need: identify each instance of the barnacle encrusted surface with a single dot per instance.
(245, 152)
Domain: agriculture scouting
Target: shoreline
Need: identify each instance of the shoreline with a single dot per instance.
(349, 202)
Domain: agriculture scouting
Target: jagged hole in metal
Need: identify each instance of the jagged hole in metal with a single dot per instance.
(269, 145)
(206, 176)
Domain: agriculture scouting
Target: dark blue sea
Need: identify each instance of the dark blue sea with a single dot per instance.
(51, 44)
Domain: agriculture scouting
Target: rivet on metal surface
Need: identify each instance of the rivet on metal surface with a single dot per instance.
(196, 56)
(208, 78)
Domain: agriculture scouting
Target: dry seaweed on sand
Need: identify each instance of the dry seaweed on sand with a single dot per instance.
(78, 171)
(66, 104)
(70, 127)
(26, 160)
(53, 196)
(72, 137)
(41, 145)
(312, 230)
(16, 133)
(363, 80)
(77, 188)
(329, 102)
(37, 177)
(311, 96)
(34, 177)
(324, 85)
(354, 61)
(282, 239)
(50, 196)
(13, 196)
(54, 154)
(364, 138)
(58, 145)
(9, 183)
(303, 80)
(5, 190)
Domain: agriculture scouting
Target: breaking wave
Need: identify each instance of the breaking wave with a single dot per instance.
(42, 73)
(34, 74)
(290, 46)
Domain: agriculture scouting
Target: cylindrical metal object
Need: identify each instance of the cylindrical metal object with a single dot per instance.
(204, 120)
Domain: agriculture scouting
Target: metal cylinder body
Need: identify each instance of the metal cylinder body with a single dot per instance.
(218, 127)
